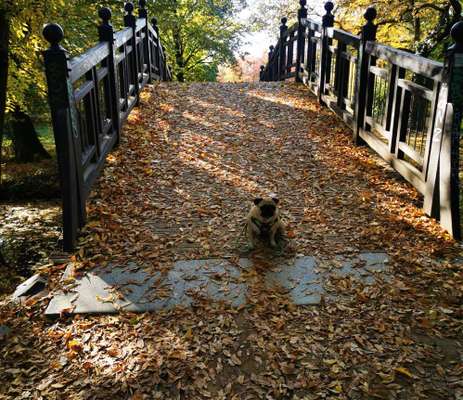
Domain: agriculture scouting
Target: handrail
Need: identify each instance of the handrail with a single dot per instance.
(90, 98)
(395, 102)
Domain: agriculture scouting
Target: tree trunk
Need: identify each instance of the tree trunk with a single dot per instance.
(27, 146)
(179, 56)
(4, 44)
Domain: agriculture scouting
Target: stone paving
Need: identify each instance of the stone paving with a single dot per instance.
(130, 288)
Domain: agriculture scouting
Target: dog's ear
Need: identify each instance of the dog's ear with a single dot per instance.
(257, 200)
(275, 200)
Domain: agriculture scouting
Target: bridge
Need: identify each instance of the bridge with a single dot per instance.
(178, 166)
(361, 299)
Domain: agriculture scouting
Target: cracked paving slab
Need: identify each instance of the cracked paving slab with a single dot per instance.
(130, 288)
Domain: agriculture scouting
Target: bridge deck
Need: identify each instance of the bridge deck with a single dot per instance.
(191, 160)
(194, 156)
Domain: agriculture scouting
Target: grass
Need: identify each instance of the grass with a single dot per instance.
(37, 180)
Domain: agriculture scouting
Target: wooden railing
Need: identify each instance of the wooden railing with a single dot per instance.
(405, 107)
(90, 98)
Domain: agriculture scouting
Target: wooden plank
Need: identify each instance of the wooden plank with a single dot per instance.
(381, 72)
(415, 89)
(122, 37)
(344, 37)
(85, 62)
(419, 65)
(406, 170)
(411, 152)
(378, 128)
(83, 90)
(140, 24)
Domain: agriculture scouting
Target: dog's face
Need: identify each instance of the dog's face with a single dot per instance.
(267, 206)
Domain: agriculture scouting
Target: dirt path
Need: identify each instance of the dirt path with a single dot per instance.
(190, 162)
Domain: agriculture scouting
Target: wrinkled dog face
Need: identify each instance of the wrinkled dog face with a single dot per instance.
(267, 207)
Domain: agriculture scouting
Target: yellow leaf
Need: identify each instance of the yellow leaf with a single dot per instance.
(404, 371)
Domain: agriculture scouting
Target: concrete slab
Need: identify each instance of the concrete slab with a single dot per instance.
(32, 286)
(301, 280)
(131, 288)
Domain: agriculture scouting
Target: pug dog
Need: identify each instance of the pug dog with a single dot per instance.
(263, 220)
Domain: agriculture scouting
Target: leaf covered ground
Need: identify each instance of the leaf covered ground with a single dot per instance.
(190, 161)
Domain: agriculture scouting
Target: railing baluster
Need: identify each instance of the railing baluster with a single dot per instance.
(106, 34)
(301, 32)
(130, 21)
(271, 67)
(66, 132)
(325, 56)
(363, 72)
(143, 13)
(282, 49)
(442, 195)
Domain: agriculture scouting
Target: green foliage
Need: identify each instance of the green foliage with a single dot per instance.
(415, 25)
(207, 31)
(198, 35)
(26, 80)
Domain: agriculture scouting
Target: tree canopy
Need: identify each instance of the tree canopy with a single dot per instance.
(199, 35)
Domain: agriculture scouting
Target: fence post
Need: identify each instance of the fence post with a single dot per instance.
(282, 50)
(261, 74)
(363, 72)
(157, 55)
(66, 132)
(442, 196)
(271, 67)
(143, 13)
(164, 63)
(106, 34)
(301, 29)
(325, 56)
(130, 21)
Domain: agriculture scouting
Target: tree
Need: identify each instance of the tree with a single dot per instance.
(416, 25)
(198, 35)
(22, 81)
(266, 15)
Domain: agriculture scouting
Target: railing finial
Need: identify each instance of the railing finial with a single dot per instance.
(105, 30)
(457, 36)
(328, 18)
(302, 12)
(369, 29)
(105, 14)
(271, 48)
(142, 12)
(53, 33)
(283, 27)
(129, 7)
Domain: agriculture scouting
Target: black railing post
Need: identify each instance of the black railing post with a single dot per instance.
(271, 64)
(164, 63)
(301, 30)
(282, 50)
(157, 55)
(106, 34)
(143, 13)
(262, 73)
(363, 72)
(66, 132)
(325, 55)
(449, 187)
(442, 196)
(130, 21)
